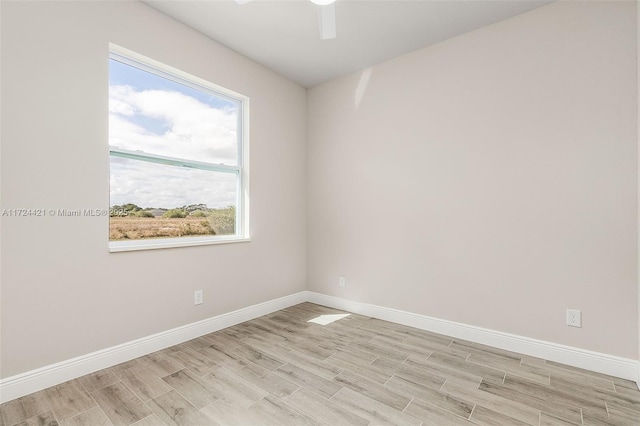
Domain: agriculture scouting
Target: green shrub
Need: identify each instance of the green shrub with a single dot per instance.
(143, 214)
(175, 214)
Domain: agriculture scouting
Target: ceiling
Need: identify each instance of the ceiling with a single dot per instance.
(284, 35)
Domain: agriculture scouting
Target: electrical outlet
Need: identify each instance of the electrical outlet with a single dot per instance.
(342, 282)
(574, 318)
(197, 297)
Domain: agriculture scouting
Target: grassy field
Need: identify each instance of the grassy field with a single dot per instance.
(137, 228)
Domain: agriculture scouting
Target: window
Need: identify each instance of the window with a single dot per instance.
(178, 155)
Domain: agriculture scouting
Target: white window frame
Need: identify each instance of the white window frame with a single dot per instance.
(241, 170)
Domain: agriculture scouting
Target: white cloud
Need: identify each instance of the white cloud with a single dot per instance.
(156, 185)
(171, 124)
(191, 129)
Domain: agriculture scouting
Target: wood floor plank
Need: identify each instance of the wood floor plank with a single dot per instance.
(607, 421)
(224, 357)
(324, 410)
(469, 391)
(151, 420)
(382, 349)
(374, 411)
(196, 344)
(309, 347)
(539, 401)
(353, 354)
(263, 332)
(307, 379)
(173, 409)
(549, 420)
(93, 417)
(423, 335)
(370, 370)
(35, 403)
(579, 379)
(513, 367)
(436, 373)
(431, 347)
(344, 329)
(373, 390)
(235, 390)
(413, 387)
(44, 419)
(276, 329)
(487, 351)
(143, 383)
(488, 374)
(68, 399)
(622, 413)
(403, 346)
(580, 371)
(335, 335)
(273, 411)
(236, 333)
(389, 332)
(98, 380)
(263, 378)
(631, 394)
(613, 407)
(430, 415)
(160, 364)
(596, 394)
(120, 405)
(194, 361)
(487, 417)
(125, 365)
(189, 385)
(418, 375)
(288, 321)
(323, 368)
(13, 412)
(259, 357)
(565, 394)
(223, 412)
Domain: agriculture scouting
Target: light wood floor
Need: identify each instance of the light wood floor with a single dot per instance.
(281, 370)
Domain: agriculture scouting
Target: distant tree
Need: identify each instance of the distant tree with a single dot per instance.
(124, 209)
(194, 207)
(143, 213)
(175, 214)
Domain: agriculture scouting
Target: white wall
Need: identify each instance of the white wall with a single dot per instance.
(490, 179)
(63, 294)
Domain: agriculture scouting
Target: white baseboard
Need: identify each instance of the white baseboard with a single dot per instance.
(51, 375)
(602, 363)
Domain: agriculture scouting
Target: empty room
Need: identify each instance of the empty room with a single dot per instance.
(317, 212)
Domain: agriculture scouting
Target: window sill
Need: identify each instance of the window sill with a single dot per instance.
(164, 243)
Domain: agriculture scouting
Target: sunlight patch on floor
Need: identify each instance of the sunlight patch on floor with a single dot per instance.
(328, 319)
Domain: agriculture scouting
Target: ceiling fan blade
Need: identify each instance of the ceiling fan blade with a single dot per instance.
(327, 15)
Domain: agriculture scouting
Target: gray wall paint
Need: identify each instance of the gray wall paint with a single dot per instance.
(490, 179)
(63, 293)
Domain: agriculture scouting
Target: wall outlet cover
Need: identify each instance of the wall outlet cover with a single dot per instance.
(574, 318)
